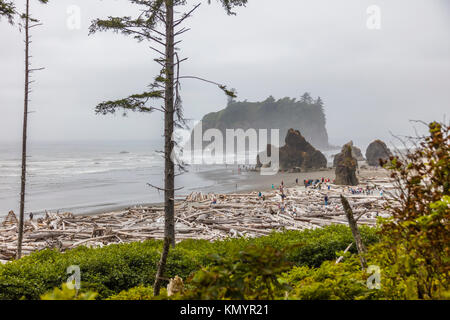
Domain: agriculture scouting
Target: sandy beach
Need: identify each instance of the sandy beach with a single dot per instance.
(234, 214)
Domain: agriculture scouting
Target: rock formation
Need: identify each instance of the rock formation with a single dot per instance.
(346, 168)
(356, 153)
(375, 151)
(298, 153)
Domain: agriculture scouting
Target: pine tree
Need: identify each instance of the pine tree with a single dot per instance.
(306, 98)
(7, 10)
(157, 24)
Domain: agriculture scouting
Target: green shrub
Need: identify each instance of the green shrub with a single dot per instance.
(139, 293)
(331, 281)
(252, 274)
(68, 294)
(115, 268)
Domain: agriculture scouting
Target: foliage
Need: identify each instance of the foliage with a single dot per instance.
(414, 250)
(331, 281)
(114, 268)
(139, 293)
(68, 294)
(7, 10)
(252, 274)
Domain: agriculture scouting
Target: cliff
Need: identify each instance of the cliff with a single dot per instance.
(306, 115)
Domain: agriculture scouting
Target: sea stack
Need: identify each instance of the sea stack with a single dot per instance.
(356, 153)
(346, 168)
(298, 153)
(375, 151)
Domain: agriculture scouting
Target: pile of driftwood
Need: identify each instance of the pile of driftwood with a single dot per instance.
(199, 216)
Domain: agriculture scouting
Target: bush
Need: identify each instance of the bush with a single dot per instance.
(331, 281)
(414, 251)
(252, 274)
(115, 268)
(139, 293)
(68, 294)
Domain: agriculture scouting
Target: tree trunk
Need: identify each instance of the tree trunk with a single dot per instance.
(353, 226)
(169, 170)
(24, 133)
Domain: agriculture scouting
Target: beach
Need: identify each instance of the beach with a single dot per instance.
(209, 215)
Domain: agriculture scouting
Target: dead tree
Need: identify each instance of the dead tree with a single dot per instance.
(29, 23)
(158, 25)
(356, 235)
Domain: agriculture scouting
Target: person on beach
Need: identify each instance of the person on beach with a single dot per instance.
(326, 200)
(296, 181)
(259, 195)
(294, 212)
(273, 187)
(214, 201)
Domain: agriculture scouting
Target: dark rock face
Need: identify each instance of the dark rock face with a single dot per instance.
(356, 153)
(298, 153)
(346, 168)
(375, 151)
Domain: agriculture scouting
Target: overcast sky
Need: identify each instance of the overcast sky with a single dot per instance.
(372, 81)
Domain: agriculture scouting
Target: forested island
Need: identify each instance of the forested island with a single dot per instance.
(306, 115)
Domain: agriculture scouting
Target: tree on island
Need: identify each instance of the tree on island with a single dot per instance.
(306, 98)
(156, 24)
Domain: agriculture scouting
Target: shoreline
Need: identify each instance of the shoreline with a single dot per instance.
(239, 214)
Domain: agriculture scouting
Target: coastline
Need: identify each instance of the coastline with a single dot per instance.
(235, 214)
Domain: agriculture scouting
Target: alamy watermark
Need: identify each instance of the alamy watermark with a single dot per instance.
(235, 147)
(74, 280)
(374, 280)
(373, 17)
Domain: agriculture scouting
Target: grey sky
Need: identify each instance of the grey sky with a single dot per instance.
(372, 81)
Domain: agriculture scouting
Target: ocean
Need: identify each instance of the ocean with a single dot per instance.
(89, 177)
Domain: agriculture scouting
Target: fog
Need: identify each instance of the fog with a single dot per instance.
(373, 81)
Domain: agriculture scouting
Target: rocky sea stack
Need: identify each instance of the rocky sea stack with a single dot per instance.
(298, 153)
(356, 153)
(346, 168)
(375, 151)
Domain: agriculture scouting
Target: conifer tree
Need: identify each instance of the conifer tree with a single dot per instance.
(159, 25)
(306, 98)
(7, 10)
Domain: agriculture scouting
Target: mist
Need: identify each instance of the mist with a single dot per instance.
(372, 81)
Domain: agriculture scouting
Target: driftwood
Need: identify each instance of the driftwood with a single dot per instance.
(198, 216)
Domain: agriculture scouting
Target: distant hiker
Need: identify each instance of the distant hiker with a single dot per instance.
(326, 199)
